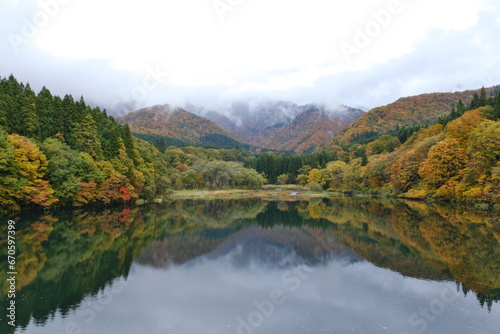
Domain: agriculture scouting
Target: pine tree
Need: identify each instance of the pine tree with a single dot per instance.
(483, 98)
(45, 112)
(85, 137)
(13, 90)
(108, 136)
(496, 105)
(58, 120)
(68, 109)
(29, 116)
(461, 108)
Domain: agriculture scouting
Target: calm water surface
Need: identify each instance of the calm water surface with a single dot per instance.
(343, 266)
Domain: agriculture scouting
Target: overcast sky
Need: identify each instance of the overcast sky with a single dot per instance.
(362, 53)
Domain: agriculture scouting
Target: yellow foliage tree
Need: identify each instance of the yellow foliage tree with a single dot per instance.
(445, 160)
(29, 165)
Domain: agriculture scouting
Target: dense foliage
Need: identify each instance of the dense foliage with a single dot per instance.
(284, 168)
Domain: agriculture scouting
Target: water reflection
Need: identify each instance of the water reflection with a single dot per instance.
(260, 267)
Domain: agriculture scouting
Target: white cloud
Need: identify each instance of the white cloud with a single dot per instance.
(270, 48)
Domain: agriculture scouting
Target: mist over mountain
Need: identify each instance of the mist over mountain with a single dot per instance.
(280, 125)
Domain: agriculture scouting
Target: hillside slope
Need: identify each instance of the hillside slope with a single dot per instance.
(407, 111)
(175, 126)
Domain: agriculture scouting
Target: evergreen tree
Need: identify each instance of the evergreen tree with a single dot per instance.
(13, 90)
(496, 105)
(483, 98)
(69, 110)
(46, 114)
(461, 108)
(109, 132)
(478, 100)
(85, 137)
(29, 126)
(58, 120)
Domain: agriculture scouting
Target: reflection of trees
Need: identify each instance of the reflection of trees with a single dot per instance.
(419, 240)
(465, 241)
(65, 257)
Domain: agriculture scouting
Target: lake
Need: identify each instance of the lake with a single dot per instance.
(254, 266)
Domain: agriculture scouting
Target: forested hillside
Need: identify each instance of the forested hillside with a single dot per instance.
(61, 152)
(165, 126)
(405, 113)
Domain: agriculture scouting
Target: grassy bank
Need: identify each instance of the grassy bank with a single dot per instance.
(272, 192)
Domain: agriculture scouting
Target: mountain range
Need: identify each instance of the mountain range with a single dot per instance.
(286, 126)
(275, 125)
(281, 125)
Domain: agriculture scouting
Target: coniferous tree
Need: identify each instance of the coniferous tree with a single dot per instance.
(46, 114)
(461, 108)
(69, 110)
(29, 126)
(14, 90)
(108, 136)
(85, 137)
(496, 105)
(483, 98)
(58, 120)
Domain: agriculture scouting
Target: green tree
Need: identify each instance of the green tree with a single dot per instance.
(85, 137)
(30, 124)
(384, 144)
(64, 169)
(248, 178)
(46, 113)
(218, 174)
(284, 179)
(189, 179)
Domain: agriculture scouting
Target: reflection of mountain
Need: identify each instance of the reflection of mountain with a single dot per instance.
(178, 249)
(277, 247)
(280, 246)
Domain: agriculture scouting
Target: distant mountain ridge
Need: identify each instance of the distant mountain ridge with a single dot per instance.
(169, 125)
(281, 125)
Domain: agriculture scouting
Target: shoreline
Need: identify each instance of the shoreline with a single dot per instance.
(296, 193)
(274, 192)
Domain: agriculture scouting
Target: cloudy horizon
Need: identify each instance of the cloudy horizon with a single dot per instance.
(124, 55)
